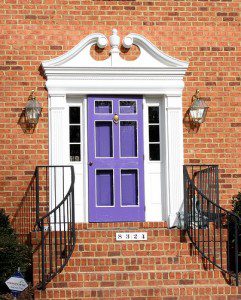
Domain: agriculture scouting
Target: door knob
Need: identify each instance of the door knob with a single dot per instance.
(90, 163)
(116, 119)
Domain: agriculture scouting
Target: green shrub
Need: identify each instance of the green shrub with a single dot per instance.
(236, 203)
(236, 208)
(13, 254)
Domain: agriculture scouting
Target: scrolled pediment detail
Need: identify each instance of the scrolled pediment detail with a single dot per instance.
(80, 57)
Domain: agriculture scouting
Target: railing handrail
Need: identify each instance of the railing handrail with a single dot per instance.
(198, 165)
(67, 194)
(205, 197)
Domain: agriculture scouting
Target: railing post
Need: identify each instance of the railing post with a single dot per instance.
(184, 196)
(236, 251)
(43, 255)
(228, 245)
(37, 195)
(73, 205)
(217, 185)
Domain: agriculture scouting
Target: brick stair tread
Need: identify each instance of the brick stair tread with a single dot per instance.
(136, 278)
(81, 269)
(154, 254)
(150, 271)
(126, 269)
(172, 291)
(120, 225)
(159, 279)
(189, 283)
(171, 286)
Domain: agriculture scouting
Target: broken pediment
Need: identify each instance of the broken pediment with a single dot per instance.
(80, 56)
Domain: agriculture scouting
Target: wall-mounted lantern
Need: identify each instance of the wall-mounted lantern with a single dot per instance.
(32, 110)
(198, 109)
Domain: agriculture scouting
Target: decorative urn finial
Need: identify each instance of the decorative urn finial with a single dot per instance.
(114, 41)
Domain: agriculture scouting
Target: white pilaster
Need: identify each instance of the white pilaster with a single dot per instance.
(57, 129)
(174, 150)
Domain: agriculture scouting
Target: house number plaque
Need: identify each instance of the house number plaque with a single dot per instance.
(131, 236)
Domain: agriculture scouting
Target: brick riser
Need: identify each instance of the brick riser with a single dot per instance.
(163, 266)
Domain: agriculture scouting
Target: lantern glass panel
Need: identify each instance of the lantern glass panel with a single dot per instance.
(198, 111)
(32, 111)
(197, 114)
(32, 115)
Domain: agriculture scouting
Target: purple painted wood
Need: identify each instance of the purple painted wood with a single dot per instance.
(128, 138)
(115, 154)
(104, 188)
(129, 187)
(104, 139)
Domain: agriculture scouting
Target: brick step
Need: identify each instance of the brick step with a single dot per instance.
(133, 253)
(105, 237)
(153, 235)
(122, 260)
(136, 248)
(138, 263)
(124, 268)
(183, 292)
(142, 263)
(121, 225)
(137, 278)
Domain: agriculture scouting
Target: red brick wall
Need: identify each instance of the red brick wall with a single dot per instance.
(207, 33)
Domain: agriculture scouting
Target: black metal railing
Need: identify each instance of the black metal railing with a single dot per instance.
(24, 218)
(55, 220)
(213, 230)
(205, 178)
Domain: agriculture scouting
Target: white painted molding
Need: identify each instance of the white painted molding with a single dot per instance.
(174, 152)
(160, 56)
(153, 72)
(127, 42)
(102, 42)
(114, 42)
(56, 134)
(68, 56)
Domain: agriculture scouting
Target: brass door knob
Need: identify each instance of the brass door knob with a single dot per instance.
(116, 119)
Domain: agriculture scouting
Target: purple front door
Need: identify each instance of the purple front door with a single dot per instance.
(115, 153)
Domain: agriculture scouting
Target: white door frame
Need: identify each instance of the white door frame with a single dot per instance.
(153, 73)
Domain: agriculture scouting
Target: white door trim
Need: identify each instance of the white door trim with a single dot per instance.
(152, 73)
